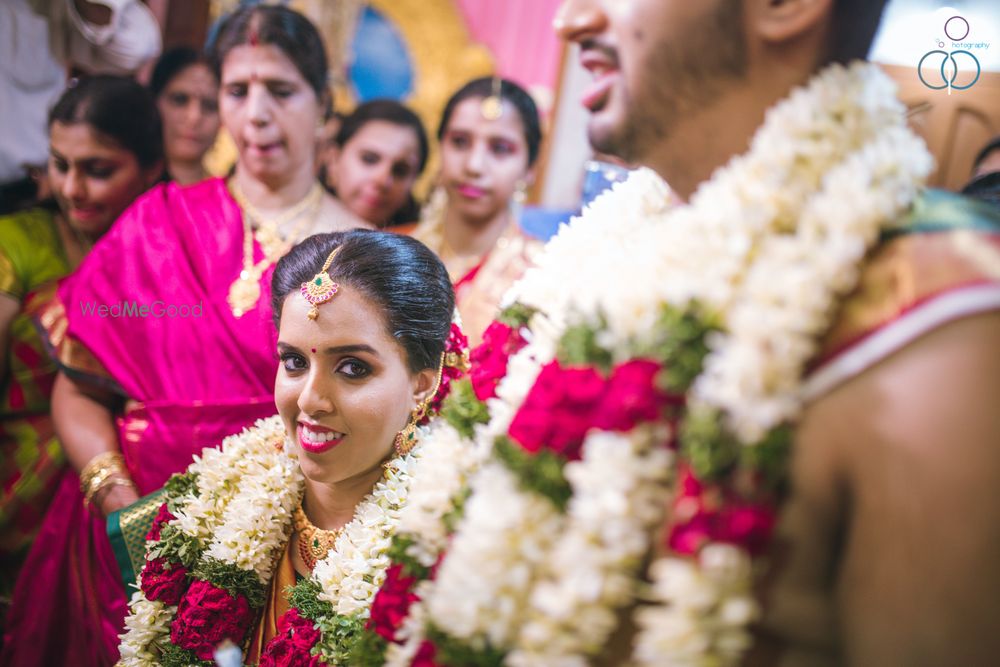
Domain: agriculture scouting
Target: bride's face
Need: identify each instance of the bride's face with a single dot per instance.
(343, 387)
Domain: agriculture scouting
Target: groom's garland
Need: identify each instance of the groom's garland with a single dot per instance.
(659, 391)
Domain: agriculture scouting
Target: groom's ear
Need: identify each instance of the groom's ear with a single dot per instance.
(782, 21)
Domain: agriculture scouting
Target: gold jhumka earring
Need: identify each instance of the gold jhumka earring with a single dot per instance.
(407, 438)
(321, 288)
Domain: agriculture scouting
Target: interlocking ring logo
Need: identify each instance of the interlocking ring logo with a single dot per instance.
(947, 57)
(956, 29)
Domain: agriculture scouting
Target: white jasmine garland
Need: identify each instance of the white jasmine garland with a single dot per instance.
(482, 586)
(147, 624)
(619, 487)
(244, 497)
(701, 610)
(354, 570)
(766, 247)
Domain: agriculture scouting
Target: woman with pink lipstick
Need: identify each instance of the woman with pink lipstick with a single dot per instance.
(315, 495)
(100, 161)
(380, 151)
(164, 334)
(490, 135)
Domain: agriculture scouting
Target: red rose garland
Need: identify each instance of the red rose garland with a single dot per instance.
(292, 645)
(207, 615)
(489, 360)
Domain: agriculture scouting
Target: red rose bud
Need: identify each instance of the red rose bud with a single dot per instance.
(726, 518)
(425, 656)
(162, 517)
(456, 344)
(559, 410)
(632, 397)
(206, 616)
(163, 581)
(292, 644)
(489, 360)
(392, 603)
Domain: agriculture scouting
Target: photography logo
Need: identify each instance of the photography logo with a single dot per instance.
(957, 69)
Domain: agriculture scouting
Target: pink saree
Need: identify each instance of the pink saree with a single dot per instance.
(192, 374)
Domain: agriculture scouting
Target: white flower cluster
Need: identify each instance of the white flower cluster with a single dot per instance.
(355, 568)
(767, 246)
(146, 626)
(440, 475)
(619, 488)
(254, 526)
(701, 611)
(483, 584)
(244, 496)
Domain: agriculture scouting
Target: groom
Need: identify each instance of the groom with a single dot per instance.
(887, 549)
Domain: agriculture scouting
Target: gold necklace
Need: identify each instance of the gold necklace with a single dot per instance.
(244, 292)
(314, 543)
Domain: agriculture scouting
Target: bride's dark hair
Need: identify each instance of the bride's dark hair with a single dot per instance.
(400, 274)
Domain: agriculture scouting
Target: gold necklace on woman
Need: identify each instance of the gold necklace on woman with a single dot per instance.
(244, 292)
(314, 543)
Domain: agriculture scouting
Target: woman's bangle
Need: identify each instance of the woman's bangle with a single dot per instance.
(107, 484)
(99, 470)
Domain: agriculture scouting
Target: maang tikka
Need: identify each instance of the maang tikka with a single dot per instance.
(491, 108)
(321, 288)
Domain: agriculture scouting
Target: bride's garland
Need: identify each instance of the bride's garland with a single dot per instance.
(219, 534)
(659, 391)
(218, 537)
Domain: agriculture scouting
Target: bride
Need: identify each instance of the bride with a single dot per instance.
(278, 541)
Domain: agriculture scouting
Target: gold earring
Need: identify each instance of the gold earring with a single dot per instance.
(407, 438)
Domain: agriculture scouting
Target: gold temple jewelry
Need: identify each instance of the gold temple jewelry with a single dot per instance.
(407, 438)
(491, 107)
(321, 287)
(314, 543)
(244, 292)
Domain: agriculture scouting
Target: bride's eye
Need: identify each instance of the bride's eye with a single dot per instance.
(292, 362)
(353, 368)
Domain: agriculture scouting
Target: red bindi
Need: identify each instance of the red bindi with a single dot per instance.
(314, 350)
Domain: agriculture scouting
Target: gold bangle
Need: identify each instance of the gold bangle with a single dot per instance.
(99, 469)
(107, 484)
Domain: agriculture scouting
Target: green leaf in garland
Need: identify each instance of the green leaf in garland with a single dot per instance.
(232, 579)
(516, 316)
(680, 346)
(453, 653)
(341, 633)
(177, 546)
(181, 484)
(579, 347)
(463, 410)
(711, 452)
(368, 650)
(304, 596)
(399, 553)
(541, 472)
(769, 457)
(175, 656)
(451, 518)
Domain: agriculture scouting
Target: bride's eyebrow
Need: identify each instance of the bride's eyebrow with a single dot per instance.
(339, 349)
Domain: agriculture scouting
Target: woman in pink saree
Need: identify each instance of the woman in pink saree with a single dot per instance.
(164, 335)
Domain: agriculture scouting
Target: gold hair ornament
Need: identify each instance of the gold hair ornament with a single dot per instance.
(321, 288)
(491, 107)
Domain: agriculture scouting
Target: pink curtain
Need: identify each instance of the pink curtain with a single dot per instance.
(519, 34)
